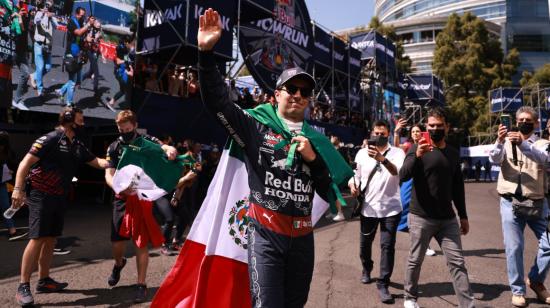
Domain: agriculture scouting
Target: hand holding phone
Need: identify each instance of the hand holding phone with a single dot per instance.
(426, 137)
(506, 120)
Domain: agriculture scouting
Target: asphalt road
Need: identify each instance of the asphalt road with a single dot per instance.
(337, 266)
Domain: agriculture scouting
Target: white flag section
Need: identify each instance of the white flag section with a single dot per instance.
(132, 176)
(214, 256)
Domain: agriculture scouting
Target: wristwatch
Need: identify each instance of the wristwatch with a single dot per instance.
(385, 161)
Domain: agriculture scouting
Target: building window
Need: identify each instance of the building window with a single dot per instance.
(534, 43)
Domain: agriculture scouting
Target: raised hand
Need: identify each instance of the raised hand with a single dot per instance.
(210, 30)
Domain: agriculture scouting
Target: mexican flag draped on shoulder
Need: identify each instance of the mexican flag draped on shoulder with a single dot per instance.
(214, 256)
(145, 169)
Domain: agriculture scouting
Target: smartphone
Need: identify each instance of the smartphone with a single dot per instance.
(372, 141)
(426, 137)
(506, 120)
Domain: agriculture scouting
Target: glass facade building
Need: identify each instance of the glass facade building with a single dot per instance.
(521, 24)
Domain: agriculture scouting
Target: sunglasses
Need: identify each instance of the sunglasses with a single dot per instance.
(292, 89)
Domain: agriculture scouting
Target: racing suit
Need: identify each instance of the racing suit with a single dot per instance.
(280, 238)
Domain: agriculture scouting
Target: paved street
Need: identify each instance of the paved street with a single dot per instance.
(337, 269)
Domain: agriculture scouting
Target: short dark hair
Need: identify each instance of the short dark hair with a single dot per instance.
(438, 112)
(379, 123)
(79, 9)
(68, 114)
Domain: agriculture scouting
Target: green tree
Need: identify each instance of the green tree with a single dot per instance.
(470, 61)
(402, 61)
(541, 76)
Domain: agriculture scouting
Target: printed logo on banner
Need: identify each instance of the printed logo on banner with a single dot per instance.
(238, 223)
(272, 45)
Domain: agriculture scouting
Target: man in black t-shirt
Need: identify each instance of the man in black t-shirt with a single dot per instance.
(49, 167)
(437, 185)
(76, 30)
(127, 124)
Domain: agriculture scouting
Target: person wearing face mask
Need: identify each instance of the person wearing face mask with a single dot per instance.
(437, 185)
(77, 29)
(522, 177)
(48, 168)
(376, 176)
(126, 122)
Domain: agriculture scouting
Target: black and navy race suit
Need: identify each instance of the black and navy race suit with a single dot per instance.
(280, 238)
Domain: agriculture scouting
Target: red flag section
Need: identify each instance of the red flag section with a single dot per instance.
(139, 223)
(199, 281)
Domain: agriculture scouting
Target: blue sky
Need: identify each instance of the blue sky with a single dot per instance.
(341, 14)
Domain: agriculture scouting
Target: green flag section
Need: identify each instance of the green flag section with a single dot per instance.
(145, 168)
(340, 172)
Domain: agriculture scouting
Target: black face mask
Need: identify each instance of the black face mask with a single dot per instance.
(437, 134)
(526, 128)
(128, 136)
(78, 130)
(381, 141)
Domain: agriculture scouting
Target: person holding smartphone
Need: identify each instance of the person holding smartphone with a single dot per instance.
(523, 157)
(377, 177)
(434, 167)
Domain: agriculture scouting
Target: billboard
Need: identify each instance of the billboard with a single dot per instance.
(77, 69)
(271, 45)
(173, 23)
(506, 99)
(322, 52)
(373, 45)
(423, 88)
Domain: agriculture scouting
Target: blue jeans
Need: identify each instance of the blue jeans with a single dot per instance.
(93, 69)
(5, 204)
(68, 87)
(43, 63)
(512, 228)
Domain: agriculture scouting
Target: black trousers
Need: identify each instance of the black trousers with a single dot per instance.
(388, 230)
(280, 268)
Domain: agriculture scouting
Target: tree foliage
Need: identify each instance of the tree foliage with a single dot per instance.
(541, 76)
(470, 61)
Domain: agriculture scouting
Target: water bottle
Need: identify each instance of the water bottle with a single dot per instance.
(10, 212)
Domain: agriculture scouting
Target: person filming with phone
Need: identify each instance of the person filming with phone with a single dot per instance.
(522, 186)
(434, 167)
(377, 179)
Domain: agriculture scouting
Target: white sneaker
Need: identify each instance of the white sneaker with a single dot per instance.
(339, 217)
(410, 303)
(430, 252)
(19, 105)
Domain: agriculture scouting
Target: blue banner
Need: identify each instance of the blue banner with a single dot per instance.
(506, 99)
(165, 24)
(355, 95)
(354, 63)
(423, 89)
(374, 45)
(322, 52)
(340, 55)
